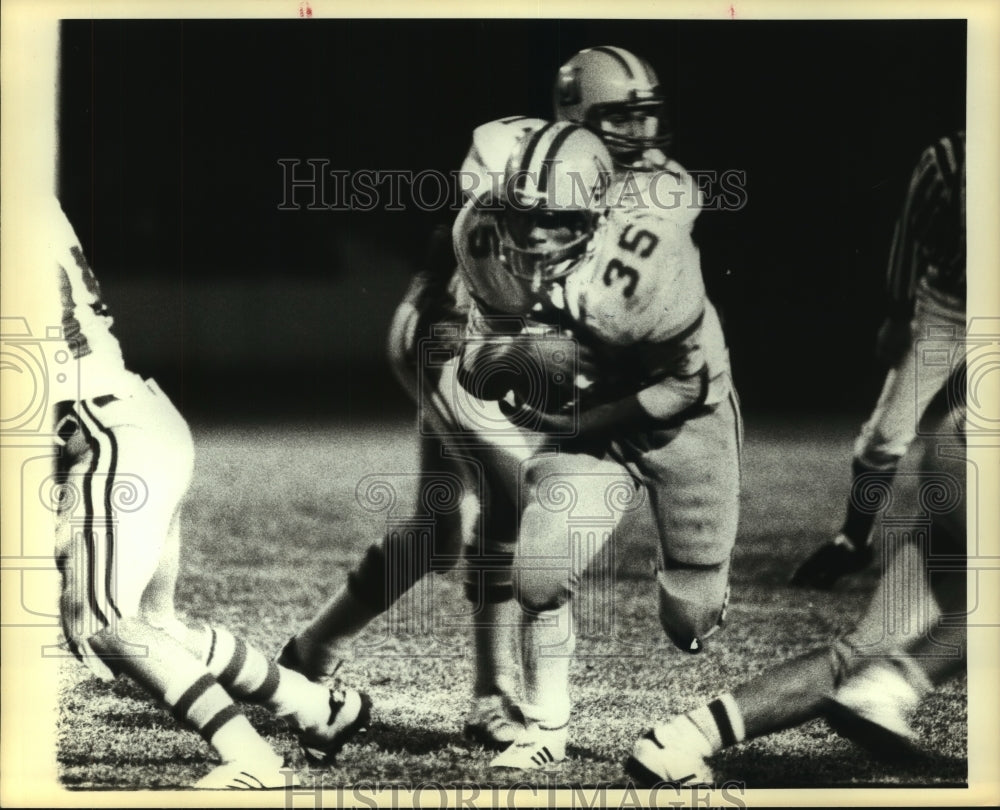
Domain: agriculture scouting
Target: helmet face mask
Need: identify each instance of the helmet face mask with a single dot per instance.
(629, 129)
(552, 199)
(541, 245)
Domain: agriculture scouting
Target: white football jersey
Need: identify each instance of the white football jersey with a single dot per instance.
(636, 297)
(658, 186)
(73, 300)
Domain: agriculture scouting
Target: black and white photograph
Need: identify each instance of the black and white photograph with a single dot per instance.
(537, 409)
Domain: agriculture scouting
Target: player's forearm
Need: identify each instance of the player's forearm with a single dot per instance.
(665, 401)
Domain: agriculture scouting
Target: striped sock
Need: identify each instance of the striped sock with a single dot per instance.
(202, 704)
(720, 723)
(248, 675)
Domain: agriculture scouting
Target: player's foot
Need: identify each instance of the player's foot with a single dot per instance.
(493, 722)
(350, 714)
(291, 658)
(249, 776)
(873, 709)
(830, 562)
(659, 758)
(536, 748)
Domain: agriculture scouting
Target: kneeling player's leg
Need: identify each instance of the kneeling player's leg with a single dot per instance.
(123, 482)
(392, 565)
(692, 473)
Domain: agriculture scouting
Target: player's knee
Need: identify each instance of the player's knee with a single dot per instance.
(877, 450)
(842, 657)
(488, 586)
(171, 444)
(196, 639)
(125, 636)
(541, 590)
(692, 603)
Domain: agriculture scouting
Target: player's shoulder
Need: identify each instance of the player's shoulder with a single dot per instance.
(481, 269)
(664, 189)
(642, 232)
(474, 236)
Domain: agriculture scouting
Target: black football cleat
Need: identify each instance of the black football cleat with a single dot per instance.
(830, 562)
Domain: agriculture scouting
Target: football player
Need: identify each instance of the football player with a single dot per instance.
(124, 459)
(435, 307)
(617, 96)
(649, 405)
(868, 683)
(926, 286)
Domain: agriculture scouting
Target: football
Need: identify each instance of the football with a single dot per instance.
(553, 376)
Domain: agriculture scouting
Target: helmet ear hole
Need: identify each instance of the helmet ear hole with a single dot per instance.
(568, 86)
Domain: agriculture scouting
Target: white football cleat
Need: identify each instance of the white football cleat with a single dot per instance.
(249, 776)
(493, 722)
(350, 714)
(873, 709)
(657, 760)
(536, 748)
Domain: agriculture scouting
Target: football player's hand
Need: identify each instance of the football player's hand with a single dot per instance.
(598, 419)
(895, 338)
(490, 369)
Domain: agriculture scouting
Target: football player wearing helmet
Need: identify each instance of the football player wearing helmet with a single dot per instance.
(654, 420)
(435, 308)
(868, 683)
(617, 96)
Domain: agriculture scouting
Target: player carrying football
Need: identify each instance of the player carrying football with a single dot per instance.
(650, 405)
(617, 95)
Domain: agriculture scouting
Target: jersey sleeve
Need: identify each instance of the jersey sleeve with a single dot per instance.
(489, 284)
(929, 237)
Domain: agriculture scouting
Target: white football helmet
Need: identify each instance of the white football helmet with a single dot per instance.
(617, 96)
(482, 171)
(553, 195)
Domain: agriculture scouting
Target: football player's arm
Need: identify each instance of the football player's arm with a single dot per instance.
(655, 404)
(427, 299)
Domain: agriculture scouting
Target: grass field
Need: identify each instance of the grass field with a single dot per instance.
(272, 523)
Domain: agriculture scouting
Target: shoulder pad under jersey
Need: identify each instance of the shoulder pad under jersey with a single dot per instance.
(643, 282)
(668, 192)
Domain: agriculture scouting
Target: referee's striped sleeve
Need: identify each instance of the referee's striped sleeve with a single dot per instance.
(932, 222)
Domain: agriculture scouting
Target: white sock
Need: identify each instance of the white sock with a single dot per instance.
(548, 640)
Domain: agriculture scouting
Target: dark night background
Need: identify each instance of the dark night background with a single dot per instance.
(170, 133)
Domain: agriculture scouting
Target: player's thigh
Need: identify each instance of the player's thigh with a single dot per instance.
(141, 459)
(692, 474)
(910, 387)
(571, 504)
